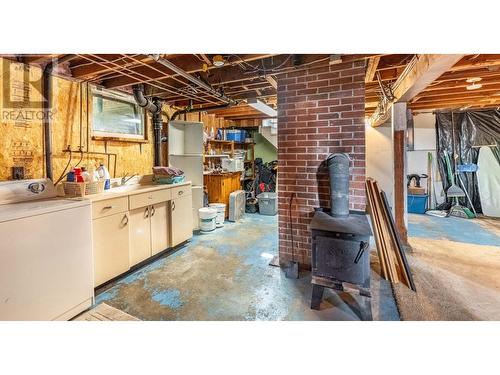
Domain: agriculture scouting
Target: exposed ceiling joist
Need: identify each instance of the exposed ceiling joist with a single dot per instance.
(272, 81)
(372, 68)
(419, 74)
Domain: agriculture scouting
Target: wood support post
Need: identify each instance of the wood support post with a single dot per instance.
(399, 149)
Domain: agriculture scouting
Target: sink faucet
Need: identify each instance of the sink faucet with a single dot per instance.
(125, 179)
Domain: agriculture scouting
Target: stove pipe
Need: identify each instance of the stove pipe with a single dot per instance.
(338, 170)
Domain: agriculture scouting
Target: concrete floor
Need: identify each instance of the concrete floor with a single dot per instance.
(481, 231)
(456, 266)
(224, 275)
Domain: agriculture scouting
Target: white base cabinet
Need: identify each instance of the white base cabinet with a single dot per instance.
(127, 231)
(149, 234)
(160, 224)
(111, 246)
(140, 235)
(181, 213)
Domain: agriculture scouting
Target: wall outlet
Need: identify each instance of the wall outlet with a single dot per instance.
(17, 173)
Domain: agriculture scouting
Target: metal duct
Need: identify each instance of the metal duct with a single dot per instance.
(338, 170)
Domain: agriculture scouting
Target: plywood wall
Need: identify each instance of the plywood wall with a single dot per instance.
(21, 133)
(21, 142)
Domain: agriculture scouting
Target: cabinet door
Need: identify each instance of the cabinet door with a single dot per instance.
(110, 246)
(181, 219)
(159, 228)
(140, 235)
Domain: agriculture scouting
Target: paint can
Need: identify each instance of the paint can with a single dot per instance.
(221, 213)
(207, 218)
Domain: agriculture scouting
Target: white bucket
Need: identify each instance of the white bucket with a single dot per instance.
(221, 213)
(207, 218)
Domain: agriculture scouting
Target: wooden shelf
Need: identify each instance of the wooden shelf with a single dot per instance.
(217, 156)
(220, 141)
(224, 145)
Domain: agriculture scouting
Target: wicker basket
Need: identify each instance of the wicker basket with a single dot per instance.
(81, 189)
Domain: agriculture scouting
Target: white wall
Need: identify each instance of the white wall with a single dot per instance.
(379, 157)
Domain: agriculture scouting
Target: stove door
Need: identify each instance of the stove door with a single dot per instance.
(336, 258)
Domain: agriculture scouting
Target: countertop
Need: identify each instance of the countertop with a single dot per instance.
(126, 190)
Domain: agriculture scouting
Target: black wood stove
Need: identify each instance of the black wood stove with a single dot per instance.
(340, 239)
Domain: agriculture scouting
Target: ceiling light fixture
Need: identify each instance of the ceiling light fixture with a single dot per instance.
(262, 107)
(473, 79)
(474, 86)
(218, 61)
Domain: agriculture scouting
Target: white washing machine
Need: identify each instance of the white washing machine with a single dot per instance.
(46, 265)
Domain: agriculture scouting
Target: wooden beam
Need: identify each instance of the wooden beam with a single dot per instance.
(372, 68)
(419, 74)
(206, 59)
(399, 150)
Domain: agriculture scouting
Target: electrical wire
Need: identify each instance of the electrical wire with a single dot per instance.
(263, 68)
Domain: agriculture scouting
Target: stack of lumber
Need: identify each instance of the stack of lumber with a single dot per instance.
(393, 263)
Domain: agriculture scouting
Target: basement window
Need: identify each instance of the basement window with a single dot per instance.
(116, 115)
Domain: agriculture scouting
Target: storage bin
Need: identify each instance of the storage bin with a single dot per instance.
(416, 203)
(221, 213)
(81, 189)
(236, 135)
(207, 218)
(268, 204)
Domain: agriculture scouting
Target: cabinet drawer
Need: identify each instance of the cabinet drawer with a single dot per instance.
(153, 197)
(109, 207)
(181, 191)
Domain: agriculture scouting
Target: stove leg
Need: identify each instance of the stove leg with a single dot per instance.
(366, 308)
(317, 296)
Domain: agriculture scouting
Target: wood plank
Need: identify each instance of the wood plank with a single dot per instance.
(387, 254)
(399, 250)
(376, 230)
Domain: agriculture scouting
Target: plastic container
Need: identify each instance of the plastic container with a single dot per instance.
(78, 175)
(207, 218)
(236, 135)
(221, 213)
(71, 176)
(104, 175)
(417, 203)
(268, 204)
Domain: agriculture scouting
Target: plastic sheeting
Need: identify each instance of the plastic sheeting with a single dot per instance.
(488, 181)
(469, 131)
